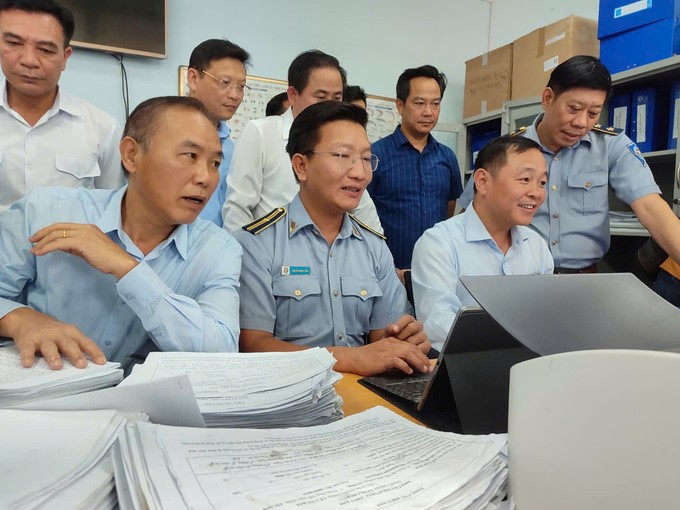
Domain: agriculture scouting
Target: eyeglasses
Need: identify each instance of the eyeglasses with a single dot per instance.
(226, 84)
(348, 158)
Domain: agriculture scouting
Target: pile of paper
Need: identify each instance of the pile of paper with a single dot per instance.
(52, 459)
(253, 390)
(19, 385)
(375, 459)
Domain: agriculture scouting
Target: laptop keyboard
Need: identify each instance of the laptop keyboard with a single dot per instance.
(410, 387)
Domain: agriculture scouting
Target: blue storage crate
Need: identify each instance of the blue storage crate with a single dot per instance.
(643, 45)
(618, 16)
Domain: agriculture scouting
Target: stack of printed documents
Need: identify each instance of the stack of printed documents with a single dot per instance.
(19, 385)
(253, 390)
(375, 459)
(53, 459)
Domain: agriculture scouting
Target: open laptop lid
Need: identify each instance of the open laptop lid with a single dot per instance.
(473, 373)
(550, 314)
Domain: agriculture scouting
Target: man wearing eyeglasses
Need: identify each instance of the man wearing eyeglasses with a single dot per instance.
(315, 276)
(419, 180)
(217, 78)
(260, 176)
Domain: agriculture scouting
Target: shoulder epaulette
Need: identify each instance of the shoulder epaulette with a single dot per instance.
(607, 130)
(366, 227)
(265, 222)
(518, 131)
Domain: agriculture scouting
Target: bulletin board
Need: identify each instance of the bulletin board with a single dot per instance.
(383, 116)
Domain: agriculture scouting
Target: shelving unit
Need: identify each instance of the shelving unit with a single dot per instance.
(665, 164)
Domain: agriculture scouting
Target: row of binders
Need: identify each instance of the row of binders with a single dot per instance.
(275, 440)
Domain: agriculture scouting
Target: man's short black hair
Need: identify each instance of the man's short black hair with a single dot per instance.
(275, 104)
(353, 93)
(494, 155)
(58, 11)
(217, 49)
(308, 61)
(581, 71)
(305, 131)
(427, 71)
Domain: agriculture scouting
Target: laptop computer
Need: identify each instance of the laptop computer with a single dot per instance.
(551, 314)
(468, 389)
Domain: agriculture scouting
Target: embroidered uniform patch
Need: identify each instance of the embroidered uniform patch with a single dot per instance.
(636, 152)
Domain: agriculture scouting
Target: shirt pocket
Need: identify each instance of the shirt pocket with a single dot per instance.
(76, 168)
(298, 303)
(588, 192)
(357, 302)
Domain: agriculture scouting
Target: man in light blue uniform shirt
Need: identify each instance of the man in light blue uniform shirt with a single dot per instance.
(583, 158)
(115, 274)
(217, 78)
(312, 274)
(488, 239)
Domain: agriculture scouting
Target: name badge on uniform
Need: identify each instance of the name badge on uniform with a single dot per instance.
(636, 152)
(295, 270)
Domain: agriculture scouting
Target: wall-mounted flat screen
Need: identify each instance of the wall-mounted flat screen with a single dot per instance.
(135, 27)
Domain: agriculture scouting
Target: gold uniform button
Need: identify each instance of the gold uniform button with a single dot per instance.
(587, 184)
(336, 293)
(364, 293)
(341, 336)
(554, 187)
(554, 243)
(298, 292)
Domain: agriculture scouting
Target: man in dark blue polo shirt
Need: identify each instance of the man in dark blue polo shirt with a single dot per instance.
(418, 179)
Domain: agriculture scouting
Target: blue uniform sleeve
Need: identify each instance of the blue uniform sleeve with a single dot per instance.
(258, 304)
(629, 174)
(206, 323)
(393, 303)
(435, 276)
(465, 199)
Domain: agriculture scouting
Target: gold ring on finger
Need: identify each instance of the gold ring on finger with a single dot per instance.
(63, 234)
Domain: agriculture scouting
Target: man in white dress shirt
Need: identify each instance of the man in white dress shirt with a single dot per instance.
(260, 176)
(48, 137)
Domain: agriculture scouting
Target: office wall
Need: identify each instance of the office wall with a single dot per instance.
(374, 40)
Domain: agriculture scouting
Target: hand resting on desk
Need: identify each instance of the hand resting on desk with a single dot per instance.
(34, 332)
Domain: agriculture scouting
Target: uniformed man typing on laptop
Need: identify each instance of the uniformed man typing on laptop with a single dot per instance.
(315, 276)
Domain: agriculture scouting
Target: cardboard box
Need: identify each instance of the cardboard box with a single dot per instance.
(618, 16)
(487, 81)
(642, 45)
(536, 54)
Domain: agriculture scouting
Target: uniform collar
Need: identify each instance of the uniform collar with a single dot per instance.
(287, 118)
(111, 221)
(476, 231)
(298, 219)
(532, 133)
